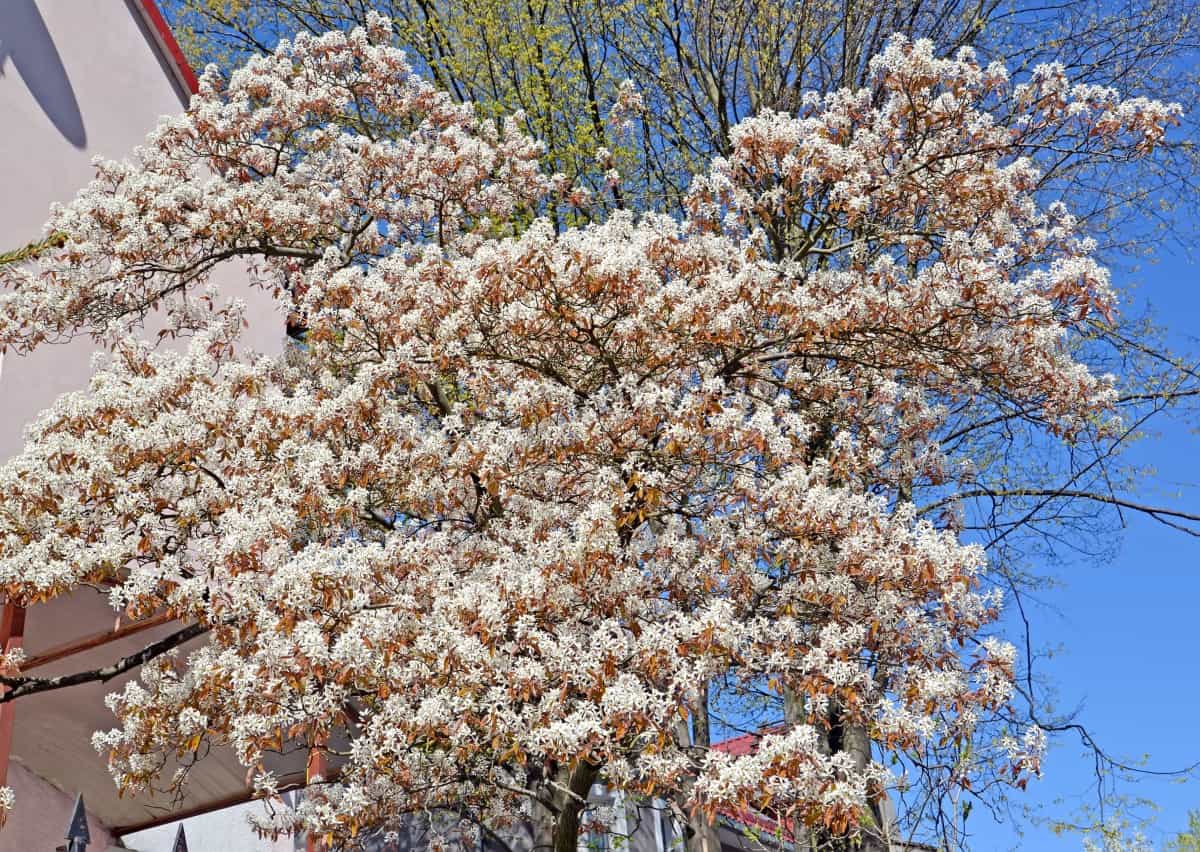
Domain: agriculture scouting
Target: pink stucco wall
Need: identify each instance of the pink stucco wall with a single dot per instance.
(49, 814)
(78, 78)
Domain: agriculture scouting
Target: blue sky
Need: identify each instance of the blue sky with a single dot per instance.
(1126, 630)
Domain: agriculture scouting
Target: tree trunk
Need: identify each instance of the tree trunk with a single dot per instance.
(857, 743)
(702, 832)
(573, 801)
(851, 738)
(542, 815)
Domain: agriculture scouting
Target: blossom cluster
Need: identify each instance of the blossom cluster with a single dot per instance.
(524, 491)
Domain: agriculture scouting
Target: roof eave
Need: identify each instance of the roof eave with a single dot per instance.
(166, 44)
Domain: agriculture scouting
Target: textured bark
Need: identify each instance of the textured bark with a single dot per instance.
(852, 738)
(700, 835)
(542, 814)
(702, 832)
(573, 802)
(857, 743)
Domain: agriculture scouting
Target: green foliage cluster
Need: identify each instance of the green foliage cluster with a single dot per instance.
(700, 66)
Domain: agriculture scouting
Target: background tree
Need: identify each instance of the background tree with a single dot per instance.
(1187, 841)
(701, 66)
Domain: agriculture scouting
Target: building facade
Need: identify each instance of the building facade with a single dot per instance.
(80, 79)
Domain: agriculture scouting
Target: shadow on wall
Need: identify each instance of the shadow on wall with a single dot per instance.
(25, 40)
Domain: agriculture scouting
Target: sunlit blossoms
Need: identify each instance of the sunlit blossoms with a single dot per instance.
(526, 492)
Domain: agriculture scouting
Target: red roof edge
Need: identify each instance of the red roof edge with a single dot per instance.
(748, 743)
(169, 46)
(737, 746)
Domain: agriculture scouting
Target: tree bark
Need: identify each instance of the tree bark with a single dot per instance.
(702, 832)
(573, 802)
(857, 743)
(542, 814)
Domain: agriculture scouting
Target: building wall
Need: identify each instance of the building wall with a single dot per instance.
(49, 811)
(76, 80)
(79, 79)
(220, 831)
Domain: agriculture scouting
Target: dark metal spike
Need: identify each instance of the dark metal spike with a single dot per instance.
(180, 840)
(77, 829)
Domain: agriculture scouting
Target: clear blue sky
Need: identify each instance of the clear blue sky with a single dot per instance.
(1128, 630)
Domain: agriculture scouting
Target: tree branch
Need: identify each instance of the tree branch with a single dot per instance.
(1159, 513)
(18, 687)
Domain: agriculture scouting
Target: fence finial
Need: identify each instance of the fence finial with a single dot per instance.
(77, 830)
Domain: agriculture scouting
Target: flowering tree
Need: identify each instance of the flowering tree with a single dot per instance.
(702, 66)
(523, 499)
